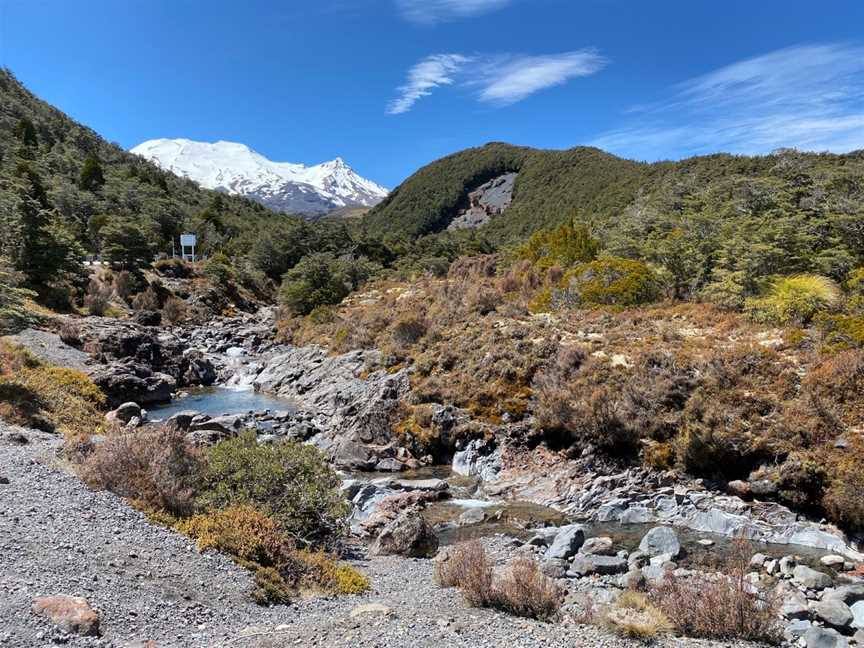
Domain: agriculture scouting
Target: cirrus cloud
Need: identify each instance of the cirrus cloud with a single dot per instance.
(430, 12)
(809, 97)
(497, 79)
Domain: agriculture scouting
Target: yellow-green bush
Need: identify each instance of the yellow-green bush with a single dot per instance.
(562, 246)
(241, 531)
(290, 481)
(795, 300)
(607, 282)
(35, 394)
(841, 331)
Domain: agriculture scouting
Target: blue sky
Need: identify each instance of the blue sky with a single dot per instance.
(390, 85)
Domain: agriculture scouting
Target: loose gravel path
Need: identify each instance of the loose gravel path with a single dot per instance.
(148, 583)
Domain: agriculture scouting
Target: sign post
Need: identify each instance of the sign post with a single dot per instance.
(187, 241)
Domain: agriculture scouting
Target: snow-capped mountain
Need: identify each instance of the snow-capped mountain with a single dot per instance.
(281, 186)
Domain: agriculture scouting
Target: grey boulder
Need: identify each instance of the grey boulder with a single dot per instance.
(810, 578)
(567, 542)
(834, 612)
(659, 541)
(817, 637)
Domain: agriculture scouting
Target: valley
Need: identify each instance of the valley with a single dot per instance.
(529, 397)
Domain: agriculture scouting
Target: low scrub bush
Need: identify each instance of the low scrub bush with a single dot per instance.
(35, 394)
(290, 481)
(147, 300)
(634, 616)
(795, 300)
(155, 469)
(174, 311)
(720, 607)
(97, 298)
(467, 568)
(408, 330)
(607, 282)
(176, 268)
(522, 589)
(241, 531)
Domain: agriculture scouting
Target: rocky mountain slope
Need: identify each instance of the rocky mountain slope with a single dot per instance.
(282, 186)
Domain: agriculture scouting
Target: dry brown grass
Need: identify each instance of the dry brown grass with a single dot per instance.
(722, 607)
(683, 385)
(634, 616)
(154, 468)
(522, 589)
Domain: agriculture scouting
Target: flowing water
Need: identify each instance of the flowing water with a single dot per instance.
(468, 514)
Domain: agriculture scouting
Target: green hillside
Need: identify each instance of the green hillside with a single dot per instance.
(55, 149)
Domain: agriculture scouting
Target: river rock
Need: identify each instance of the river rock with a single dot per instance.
(794, 605)
(603, 565)
(849, 594)
(181, 420)
(661, 540)
(407, 535)
(479, 458)
(834, 612)
(567, 542)
(123, 414)
(857, 614)
(226, 426)
(125, 382)
(69, 613)
(810, 578)
(817, 637)
(600, 546)
(833, 561)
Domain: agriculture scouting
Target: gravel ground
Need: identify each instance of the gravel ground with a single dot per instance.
(50, 348)
(148, 583)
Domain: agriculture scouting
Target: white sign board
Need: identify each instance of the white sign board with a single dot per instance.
(187, 240)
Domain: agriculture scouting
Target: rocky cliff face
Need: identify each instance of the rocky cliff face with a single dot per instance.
(485, 202)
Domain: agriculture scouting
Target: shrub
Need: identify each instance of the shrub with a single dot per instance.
(241, 531)
(523, 590)
(290, 481)
(147, 300)
(176, 268)
(795, 300)
(467, 568)
(562, 246)
(125, 284)
(218, 270)
(634, 617)
(607, 282)
(723, 607)
(70, 333)
(271, 588)
(318, 570)
(174, 310)
(841, 331)
(97, 298)
(34, 394)
(13, 311)
(154, 468)
(408, 330)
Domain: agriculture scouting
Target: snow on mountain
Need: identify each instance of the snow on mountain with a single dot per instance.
(281, 186)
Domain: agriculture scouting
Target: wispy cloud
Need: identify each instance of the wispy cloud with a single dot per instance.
(501, 79)
(428, 74)
(809, 97)
(430, 12)
(523, 76)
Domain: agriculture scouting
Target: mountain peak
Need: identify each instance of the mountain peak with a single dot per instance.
(283, 186)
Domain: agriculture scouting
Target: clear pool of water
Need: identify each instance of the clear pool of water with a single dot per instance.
(217, 401)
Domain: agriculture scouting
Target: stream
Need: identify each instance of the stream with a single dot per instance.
(468, 513)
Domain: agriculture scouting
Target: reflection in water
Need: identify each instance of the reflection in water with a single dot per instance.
(217, 401)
